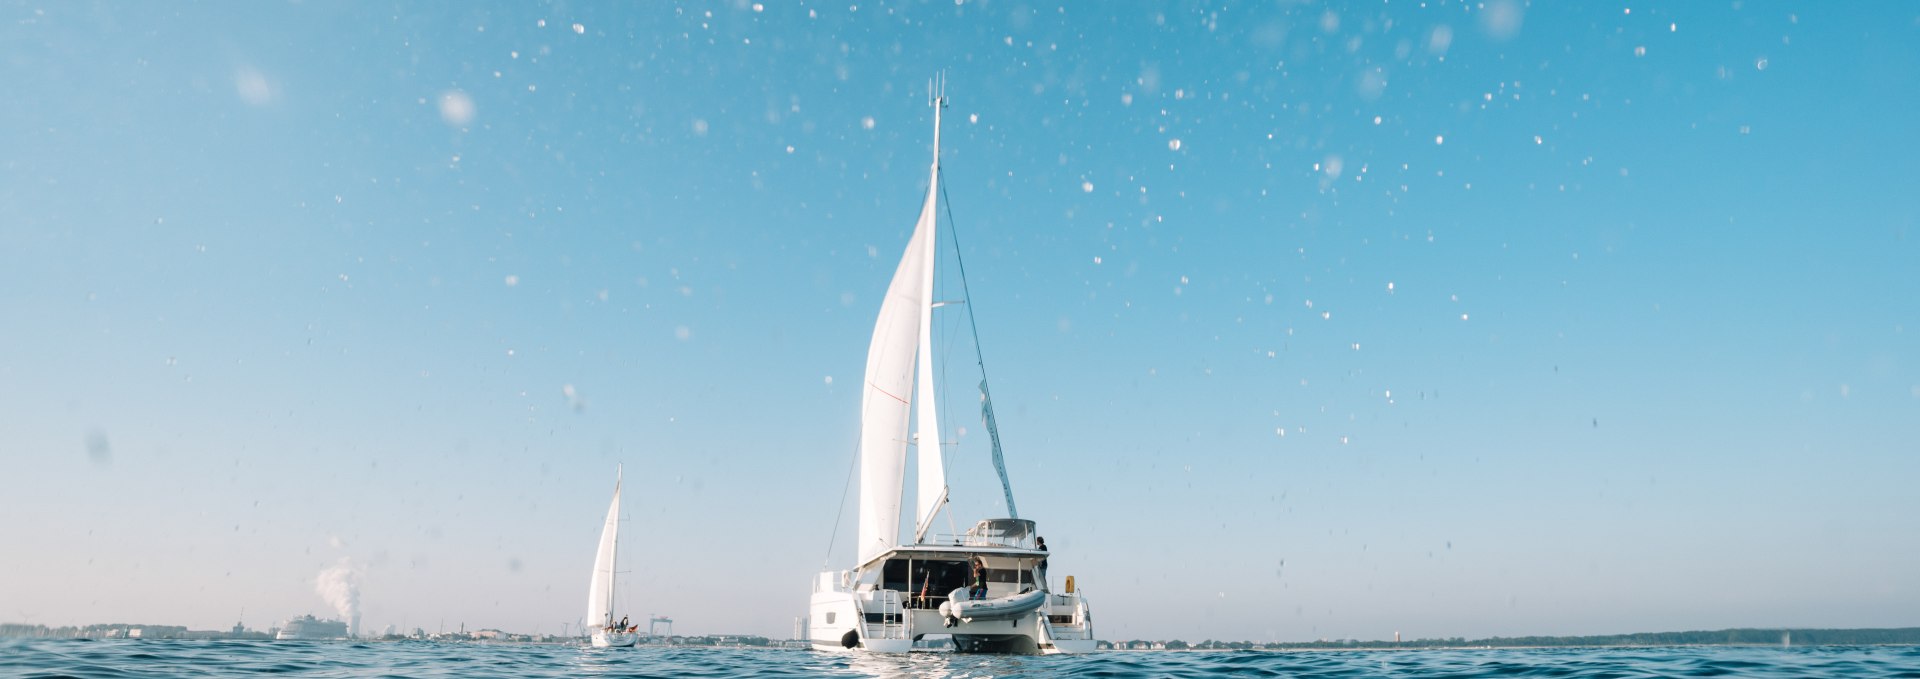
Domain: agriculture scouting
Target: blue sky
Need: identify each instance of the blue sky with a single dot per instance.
(1576, 319)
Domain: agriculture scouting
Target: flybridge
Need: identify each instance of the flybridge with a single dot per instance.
(1007, 537)
(999, 532)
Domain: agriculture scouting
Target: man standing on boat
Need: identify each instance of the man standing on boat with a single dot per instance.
(1042, 544)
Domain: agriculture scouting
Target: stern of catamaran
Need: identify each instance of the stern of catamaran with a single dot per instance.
(894, 600)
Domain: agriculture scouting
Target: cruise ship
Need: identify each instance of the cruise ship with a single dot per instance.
(309, 628)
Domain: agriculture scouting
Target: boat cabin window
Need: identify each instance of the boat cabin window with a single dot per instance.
(893, 575)
(1016, 576)
(935, 578)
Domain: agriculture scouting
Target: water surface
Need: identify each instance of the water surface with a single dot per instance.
(121, 658)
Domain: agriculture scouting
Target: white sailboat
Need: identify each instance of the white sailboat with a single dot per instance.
(898, 593)
(600, 590)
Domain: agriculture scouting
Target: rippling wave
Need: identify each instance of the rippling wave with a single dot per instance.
(123, 658)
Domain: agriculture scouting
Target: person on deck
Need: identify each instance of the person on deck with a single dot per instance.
(1042, 544)
(623, 623)
(979, 589)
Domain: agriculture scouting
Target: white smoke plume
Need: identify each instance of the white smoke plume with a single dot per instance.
(339, 585)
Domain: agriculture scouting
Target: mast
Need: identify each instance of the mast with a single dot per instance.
(886, 406)
(613, 564)
(931, 478)
(959, 260)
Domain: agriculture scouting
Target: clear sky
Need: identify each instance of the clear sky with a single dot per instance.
(1304, 320)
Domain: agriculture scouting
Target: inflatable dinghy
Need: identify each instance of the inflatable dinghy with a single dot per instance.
(959, 607)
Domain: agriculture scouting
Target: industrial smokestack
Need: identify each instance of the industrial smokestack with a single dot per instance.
(339, 586)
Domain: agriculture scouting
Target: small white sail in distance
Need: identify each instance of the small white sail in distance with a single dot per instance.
(600, 591)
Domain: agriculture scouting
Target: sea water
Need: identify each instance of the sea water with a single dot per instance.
(136, 658)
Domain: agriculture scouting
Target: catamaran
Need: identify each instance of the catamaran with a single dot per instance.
(600, 590)
(898, 593)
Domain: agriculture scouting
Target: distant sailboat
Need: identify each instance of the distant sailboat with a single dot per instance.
(600, 592)
(900, 592)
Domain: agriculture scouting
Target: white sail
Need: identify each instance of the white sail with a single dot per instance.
(600, 592)
(931, 492)
(884, 404)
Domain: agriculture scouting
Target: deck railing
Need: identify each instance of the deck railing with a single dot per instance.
(1023, 542)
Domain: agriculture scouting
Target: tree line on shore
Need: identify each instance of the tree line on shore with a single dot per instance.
(1725, 637)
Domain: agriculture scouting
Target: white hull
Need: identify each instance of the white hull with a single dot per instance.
(614, 639)
(864, 619)
(1025, 635)
(1075, 646)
